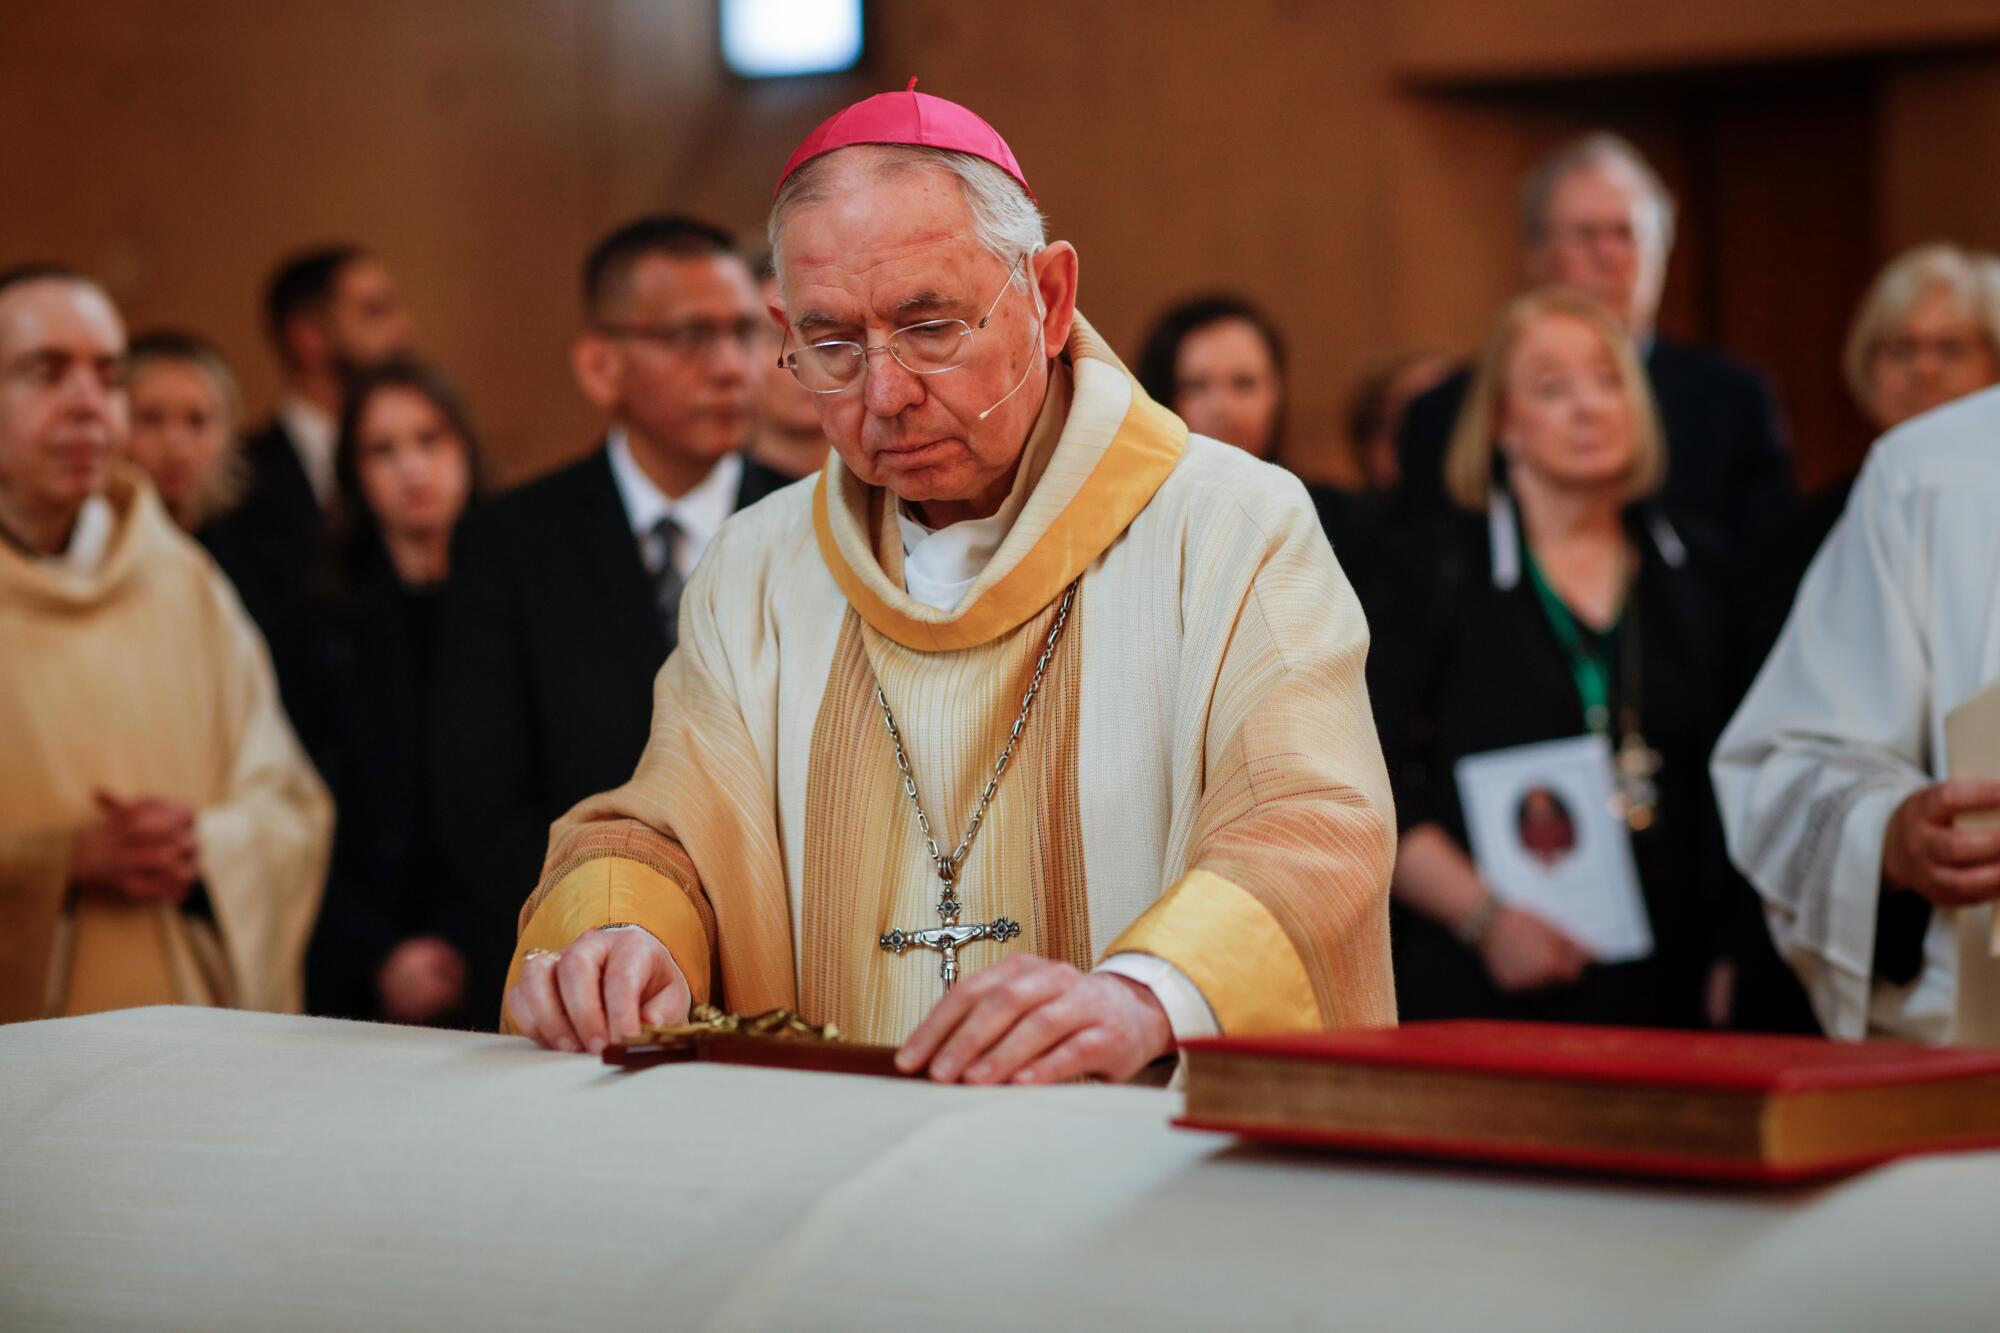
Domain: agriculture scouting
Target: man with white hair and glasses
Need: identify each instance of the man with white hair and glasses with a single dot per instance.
(1597, 219)
(1032, 735)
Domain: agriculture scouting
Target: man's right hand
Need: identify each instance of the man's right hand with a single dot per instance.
(1923, 852)
(145, 849)
(608, 985)
(1524, 952)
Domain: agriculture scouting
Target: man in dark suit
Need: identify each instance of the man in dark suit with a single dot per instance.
(1596, 218)
(565, 591)
(329, 313)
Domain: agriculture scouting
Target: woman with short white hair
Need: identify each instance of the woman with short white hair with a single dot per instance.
(1927, 332)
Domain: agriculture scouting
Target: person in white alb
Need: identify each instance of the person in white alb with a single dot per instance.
(1833, 775)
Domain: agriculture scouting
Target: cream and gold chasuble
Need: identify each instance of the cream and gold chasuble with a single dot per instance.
(1199, 778)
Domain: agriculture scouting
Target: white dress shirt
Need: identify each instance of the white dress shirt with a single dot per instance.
(939, 567)
(700, 513)
(314, 434)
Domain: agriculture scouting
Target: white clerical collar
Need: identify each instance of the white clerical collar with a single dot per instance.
(699, 514)
(313, 435)
(940, 565)
(89, 539)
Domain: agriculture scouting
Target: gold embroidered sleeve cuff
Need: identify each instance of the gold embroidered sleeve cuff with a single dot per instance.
(613, 891)
(1233, 950)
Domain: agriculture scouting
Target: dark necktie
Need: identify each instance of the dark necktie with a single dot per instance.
(667, 581)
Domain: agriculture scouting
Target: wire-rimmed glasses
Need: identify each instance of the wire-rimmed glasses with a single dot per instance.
(928, 348)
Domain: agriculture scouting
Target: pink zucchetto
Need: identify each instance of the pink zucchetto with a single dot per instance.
(912, 119)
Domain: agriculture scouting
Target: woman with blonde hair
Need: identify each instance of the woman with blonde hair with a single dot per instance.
(185, 413)
(1558, 600)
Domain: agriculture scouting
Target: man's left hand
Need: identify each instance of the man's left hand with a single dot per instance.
(1031, 1020)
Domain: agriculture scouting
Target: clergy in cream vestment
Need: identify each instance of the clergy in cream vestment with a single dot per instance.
(1193, 798)
(1896, 624)
(162, 837)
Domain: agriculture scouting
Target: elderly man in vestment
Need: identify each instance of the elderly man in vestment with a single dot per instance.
(1832, 777)
(162, 838)
(1028, 690)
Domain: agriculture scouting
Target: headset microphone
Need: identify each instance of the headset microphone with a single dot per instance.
(1026, 370)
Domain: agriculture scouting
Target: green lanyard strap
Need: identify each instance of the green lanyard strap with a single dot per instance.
(1589, 662)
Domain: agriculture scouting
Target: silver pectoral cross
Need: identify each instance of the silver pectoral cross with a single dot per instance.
(950, 937)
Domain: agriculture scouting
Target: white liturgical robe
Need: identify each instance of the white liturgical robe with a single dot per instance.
(1896, 624)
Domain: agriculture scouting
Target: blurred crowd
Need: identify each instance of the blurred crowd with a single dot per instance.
(292, 702)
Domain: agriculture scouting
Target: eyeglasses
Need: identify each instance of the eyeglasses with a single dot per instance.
(1903, 350)
(929, 348)
(695, 340)
(1590, 235)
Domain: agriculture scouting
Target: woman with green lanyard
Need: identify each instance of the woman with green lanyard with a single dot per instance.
(1559, 603)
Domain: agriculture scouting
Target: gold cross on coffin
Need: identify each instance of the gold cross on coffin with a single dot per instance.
(950, 937)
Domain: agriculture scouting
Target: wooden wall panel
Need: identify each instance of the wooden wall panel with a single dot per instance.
(1457, 40)
(1190, 155)
(1938, 141)
(1276, 147)
(179, 149)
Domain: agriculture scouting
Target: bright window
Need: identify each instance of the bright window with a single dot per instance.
(763, 39)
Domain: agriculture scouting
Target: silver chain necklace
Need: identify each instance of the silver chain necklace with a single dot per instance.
(948, 938)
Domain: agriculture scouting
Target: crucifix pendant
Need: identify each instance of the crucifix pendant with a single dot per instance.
(1637, 764)
(949, 937)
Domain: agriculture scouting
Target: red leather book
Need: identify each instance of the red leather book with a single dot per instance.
(1692, 1105)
